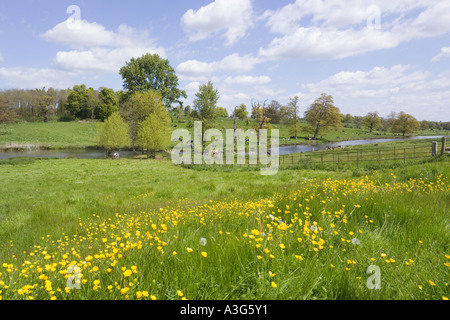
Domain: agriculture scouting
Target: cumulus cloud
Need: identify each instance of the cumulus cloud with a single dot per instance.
(30, 78)
(445, 52)
(97, 49)
(247, 80)
(338, 29)
(233, 63)
(400, 87)
(233, 17)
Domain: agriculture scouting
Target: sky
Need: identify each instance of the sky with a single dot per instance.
(376, 55)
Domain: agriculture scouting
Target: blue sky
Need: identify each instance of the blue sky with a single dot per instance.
(377, 55)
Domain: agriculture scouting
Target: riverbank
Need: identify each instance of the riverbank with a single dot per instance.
(78, 136)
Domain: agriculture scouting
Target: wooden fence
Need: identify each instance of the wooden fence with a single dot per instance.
(367, 155)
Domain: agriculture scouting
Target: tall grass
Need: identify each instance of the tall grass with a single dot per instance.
(137, 230)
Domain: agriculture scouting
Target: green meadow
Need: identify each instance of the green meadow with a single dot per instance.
(147, 229)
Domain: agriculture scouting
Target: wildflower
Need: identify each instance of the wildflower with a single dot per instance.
(356, 241)
(127, 273)
(271, 274)
(431, 283)
(273, 284)
(180, 293)
(204, 254)
(189, 249)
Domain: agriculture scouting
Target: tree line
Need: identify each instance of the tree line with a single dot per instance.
(141, 114)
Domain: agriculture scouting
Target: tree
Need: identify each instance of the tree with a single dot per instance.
(77, 103)
(205, 104)
(322, 114)
(221, 112)
(151, 72)
(372, 121)
(240, 112)
(259, 113)
(138, 107)
(93, 103)
(294, 124)
(273, 111)
(405, 123)
(7, 115)
(113, 133)
(154, 134)
(109, 103)
(43, 101)
(348, 118)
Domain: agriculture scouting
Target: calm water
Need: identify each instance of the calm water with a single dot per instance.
(323, 146)
(96, 154)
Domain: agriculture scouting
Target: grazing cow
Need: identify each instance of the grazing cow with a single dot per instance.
(115, 155)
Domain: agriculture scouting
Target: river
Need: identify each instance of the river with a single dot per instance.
(283, 150)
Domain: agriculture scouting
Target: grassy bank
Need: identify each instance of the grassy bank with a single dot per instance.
(79, 135)
(142, 229)
(51, 135)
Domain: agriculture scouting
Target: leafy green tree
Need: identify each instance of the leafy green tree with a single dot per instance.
(187, 111)
(151, 72)
(109, 103)
(113, 133)
(138, 107)
(405, 124)
(43, 100)
(259, 113)
(81, 102)
(294, 119)
(323, 114)
(154, 134)
(205, 104)
(273, 111)
(372, 121)
(221, 112)
(241, 112)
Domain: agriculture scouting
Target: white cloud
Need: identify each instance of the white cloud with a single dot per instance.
(234, 16)
(96, 48)
(338, 29)
(98, 59)
(399, 88)
(247, 80)
(445, 52)
(233, 63)
(31, 78)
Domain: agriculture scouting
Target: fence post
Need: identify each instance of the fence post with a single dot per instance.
(414, 151)
(321, 157)
(443, 146)
(434, 146)
(394, 153)
(404, 155)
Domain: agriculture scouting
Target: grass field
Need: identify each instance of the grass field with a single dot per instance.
(53, 135)
(146, 229)
(62, 135)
